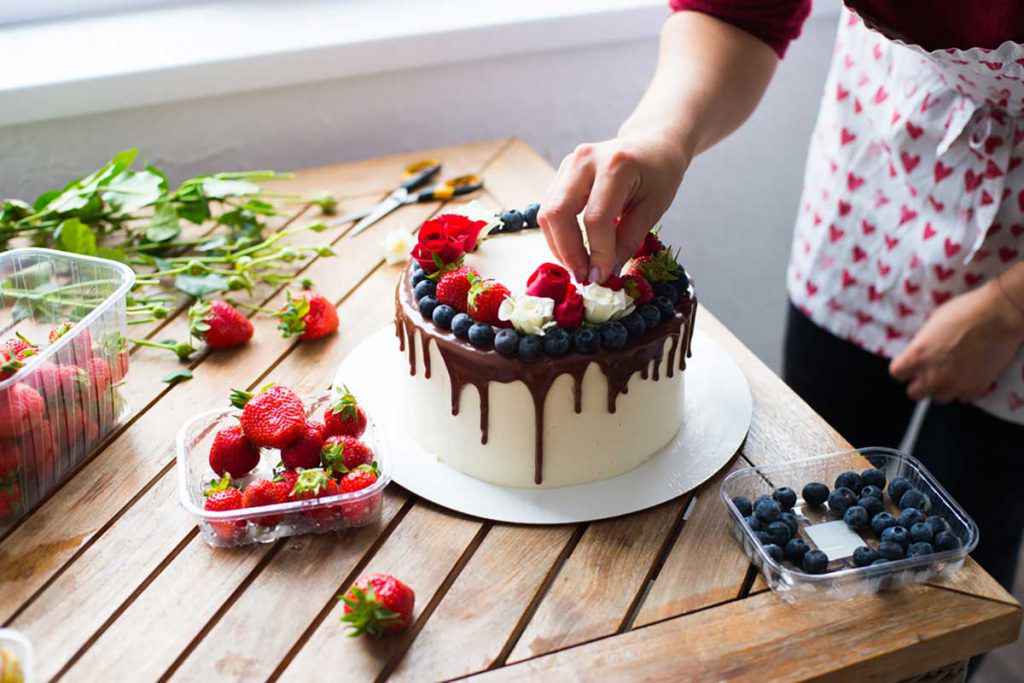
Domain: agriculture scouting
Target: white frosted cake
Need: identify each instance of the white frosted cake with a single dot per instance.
(571, 405)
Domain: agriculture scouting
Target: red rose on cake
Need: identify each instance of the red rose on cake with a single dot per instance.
(569, 311)
(550, 280)
(444, 240)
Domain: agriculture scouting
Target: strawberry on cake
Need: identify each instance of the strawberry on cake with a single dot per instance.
(522, 377)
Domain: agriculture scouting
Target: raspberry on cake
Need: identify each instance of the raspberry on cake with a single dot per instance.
(521, 377)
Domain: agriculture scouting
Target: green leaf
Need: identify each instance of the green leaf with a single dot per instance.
(112, 253)
(201, 285)
(165, 225)
(130, 191)
(125, 158)
(75, 236)
(218, 188)
(44, 199)
(194, 209)
(182, 375)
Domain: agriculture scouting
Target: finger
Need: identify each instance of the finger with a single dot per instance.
(907, 364)
(568, 196)
(612, 187)
(637, 221)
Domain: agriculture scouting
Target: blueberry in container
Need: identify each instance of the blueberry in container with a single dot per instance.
(843, 577)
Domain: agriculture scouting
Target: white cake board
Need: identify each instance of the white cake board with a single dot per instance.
(718, 408)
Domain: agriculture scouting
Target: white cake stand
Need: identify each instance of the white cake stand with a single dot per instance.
(718, 408)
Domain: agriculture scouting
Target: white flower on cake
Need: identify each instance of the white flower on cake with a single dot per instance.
(397, 245)
(528, 314)
(476, 211)
(601, 304)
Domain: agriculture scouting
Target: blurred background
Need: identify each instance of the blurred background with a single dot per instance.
(241, 84)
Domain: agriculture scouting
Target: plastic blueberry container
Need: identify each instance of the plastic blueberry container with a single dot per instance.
(249, 525)
(843, 579)
(65, 399)
(21, 648)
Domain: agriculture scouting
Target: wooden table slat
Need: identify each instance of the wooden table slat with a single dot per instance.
(873, 637)
(596, 586)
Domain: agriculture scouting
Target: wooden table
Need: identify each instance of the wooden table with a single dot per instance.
(111, 581)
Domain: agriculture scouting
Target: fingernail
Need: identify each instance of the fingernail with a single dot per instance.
(595, 275)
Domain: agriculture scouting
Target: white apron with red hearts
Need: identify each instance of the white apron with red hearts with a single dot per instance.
(913, 193)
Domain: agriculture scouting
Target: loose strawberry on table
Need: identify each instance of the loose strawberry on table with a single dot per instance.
(232, 453)
(304, 452)
(377, 605)
(219, 324)
(345, 416)
(341, 454)
(274, 417)
(307, 316)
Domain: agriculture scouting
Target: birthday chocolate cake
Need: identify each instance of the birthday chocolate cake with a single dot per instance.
(522, 377)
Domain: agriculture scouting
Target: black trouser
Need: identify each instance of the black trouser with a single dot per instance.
(979, 458)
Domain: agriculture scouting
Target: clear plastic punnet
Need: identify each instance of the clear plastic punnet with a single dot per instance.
(843, 579)
(64, 398)
(15, 657)
(268, 523)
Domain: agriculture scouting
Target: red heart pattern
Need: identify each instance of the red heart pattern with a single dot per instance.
(902, 238)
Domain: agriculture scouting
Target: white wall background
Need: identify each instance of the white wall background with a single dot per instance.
(733, 215)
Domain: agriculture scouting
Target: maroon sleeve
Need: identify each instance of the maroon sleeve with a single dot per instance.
(776, 22)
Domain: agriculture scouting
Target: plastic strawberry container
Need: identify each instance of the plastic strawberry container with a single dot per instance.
(19, 646)
(843, 579)
(65, 399)
(249, 525)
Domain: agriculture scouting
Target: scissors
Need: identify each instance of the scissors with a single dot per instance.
(416, 175)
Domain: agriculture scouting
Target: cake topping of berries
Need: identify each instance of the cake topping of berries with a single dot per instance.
(378, 604)
(345, 416)
(219, 324)
(484, 300)
(658, 267)
(569, 312)
(650, 246)
(453, 288)
(273, 418)
(307, 316)
(638, 288)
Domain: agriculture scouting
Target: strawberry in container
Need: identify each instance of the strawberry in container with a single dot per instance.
(61, 357)
(285, 471)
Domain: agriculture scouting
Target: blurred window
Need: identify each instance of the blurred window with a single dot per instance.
(20, 11)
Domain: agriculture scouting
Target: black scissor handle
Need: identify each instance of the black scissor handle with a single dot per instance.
(454, 187)
(418, 173)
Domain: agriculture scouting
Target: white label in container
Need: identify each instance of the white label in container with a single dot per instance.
(835, 539)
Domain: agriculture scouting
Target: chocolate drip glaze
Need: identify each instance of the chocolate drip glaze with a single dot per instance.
(468, 365)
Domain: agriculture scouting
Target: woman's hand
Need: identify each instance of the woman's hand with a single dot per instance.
(622, 187)
(963, 347)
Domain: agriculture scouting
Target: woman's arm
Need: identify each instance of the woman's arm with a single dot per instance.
(709, 79)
